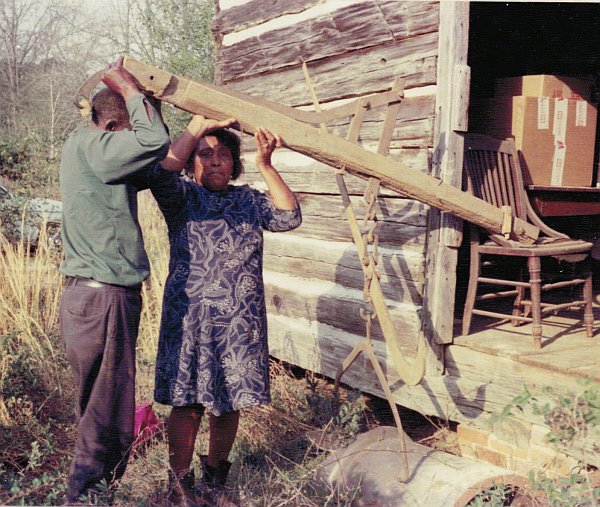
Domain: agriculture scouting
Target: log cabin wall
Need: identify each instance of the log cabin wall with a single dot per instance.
(313, 276)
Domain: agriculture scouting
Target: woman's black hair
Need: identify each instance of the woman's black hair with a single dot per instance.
(231, 141)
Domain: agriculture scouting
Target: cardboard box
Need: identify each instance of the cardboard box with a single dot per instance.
(545, 85)
(555, 137)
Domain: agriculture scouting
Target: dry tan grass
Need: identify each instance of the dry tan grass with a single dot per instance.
(157, 246)
(274, 459)
(30, 291)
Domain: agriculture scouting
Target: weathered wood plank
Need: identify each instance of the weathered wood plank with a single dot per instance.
(401, 221)
(413, 130)
(350, 28)
(475, 386)
(407, 19)
(393, 211)
(445, 231)
(565, 347)
(355, 27)
(565, 336)
(345, 75)
(336, 306)
(462, 78)
(337, 230)
(306, 175)
(254, 13)
(485, 384)
(215, 102)
(401, 269)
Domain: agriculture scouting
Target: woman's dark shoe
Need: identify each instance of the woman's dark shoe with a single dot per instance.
(215, 476)
(214, 491)
(181, 491)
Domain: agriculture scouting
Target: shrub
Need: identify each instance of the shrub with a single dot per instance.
(25, 163)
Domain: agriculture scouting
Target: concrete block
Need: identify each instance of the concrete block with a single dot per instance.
(467, 451)
(497, 444)
(469, 434)
(493, 457)
(514, 432)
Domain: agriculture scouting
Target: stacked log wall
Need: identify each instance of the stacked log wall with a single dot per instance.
(352, 48)
(313, 276)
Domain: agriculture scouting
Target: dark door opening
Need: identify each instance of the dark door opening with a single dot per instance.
(515, 38)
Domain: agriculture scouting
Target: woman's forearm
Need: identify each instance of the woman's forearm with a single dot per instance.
(281, 195)
(182, 148)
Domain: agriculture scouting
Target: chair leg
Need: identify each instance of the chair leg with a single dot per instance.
(471, 291)
(517, 306)
(526, 309)
(588, 315)
(534, 265)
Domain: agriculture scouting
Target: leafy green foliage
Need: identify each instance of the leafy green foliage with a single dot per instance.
(32, 467)
(180, 41)
(575, 489)
(179, 37)
(14, 156)
(519, 403)
(570, 416)
(24, 162)
(327, 409)
(48, 488)
(175, 35)
(496, 496)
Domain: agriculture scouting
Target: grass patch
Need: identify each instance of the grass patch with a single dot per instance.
(274, 458)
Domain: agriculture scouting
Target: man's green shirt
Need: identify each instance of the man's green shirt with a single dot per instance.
(101, 234)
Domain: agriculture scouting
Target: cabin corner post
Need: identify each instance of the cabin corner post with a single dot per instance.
(444, 231)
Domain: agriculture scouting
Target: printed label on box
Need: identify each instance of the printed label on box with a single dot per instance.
(558, 163)
(543, 113)
(559, 127)
(581, 114)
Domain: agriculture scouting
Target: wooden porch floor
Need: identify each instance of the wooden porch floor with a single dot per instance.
(565, 346)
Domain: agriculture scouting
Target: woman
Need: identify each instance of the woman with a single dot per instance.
(212, 353)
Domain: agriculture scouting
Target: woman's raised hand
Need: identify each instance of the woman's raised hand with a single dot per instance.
(200, 125)
(266, 142)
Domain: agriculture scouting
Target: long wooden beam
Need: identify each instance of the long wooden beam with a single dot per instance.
(220, 103)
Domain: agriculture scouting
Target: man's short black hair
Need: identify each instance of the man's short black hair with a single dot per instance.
(109, 104)
(231, 141)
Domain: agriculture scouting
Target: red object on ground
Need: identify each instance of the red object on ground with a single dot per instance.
(146, 425)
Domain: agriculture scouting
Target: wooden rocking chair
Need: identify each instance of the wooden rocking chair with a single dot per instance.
(493, 174)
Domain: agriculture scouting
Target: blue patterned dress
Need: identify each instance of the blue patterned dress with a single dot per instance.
(213, 338)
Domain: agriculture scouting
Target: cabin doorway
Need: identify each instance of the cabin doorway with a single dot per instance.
(515, 38)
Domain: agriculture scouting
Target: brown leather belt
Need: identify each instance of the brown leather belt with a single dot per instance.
(71, 281)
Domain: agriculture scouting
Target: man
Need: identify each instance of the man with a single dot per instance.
(105, 263)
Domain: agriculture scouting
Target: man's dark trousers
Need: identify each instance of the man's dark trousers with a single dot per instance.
(99, 326)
